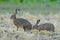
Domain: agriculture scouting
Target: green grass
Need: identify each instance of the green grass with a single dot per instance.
(29, 6)
(28, 2)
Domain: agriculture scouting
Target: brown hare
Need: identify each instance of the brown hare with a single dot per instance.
(45, 26)
(20, 22)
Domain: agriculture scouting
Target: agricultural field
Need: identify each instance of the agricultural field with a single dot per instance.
(46, 11)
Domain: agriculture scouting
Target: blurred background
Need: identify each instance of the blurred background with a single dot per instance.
(32, 6)
(48, 11)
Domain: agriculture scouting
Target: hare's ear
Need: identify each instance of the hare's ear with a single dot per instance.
(17, 11)
(37, 22)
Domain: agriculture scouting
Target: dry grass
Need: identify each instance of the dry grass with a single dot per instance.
(8, 29)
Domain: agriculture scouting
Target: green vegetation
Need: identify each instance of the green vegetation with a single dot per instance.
(29, 1)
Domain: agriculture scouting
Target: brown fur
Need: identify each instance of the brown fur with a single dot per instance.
(45, 26)
(20, 22)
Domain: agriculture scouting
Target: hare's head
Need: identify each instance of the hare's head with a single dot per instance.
(36, 25)
(14, 15)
